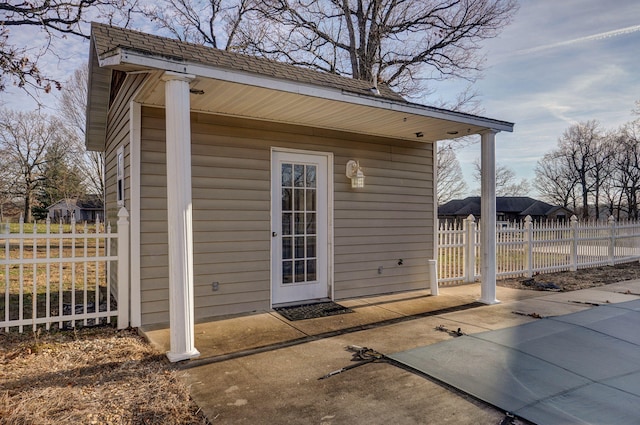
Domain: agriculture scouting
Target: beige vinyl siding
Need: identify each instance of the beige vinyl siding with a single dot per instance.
(390, 219)
(118, 135)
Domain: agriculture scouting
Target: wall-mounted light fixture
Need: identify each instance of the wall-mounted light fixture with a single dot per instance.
(354, 172)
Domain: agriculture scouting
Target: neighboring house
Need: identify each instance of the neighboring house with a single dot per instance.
(508, 208)
(89, 208)
(232, 169)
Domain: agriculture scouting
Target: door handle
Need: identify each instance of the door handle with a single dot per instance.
(274, 234)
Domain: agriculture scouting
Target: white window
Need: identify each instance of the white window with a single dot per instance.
(120, 177)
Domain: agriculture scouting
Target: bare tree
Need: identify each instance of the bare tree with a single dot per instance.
(403, 44)
(627, 167)
(49, 20)
(555, 181)
(19, 64)
(5, 183)
(215, 23)
(451, 182)
(72, 110)
(579, 144)
(24, 138)
(506, 182)
(602, 169)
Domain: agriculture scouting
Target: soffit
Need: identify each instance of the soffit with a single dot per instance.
(269, 104)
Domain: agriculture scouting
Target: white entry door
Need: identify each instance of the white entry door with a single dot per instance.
(300, 226)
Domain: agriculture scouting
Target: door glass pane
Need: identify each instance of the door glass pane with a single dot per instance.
(300, 247)
(299, 199)
(311, 224)
(311, 200)
(311, 176)
(311, 246)
(299, 271)
(299, 223)
(286, 223)
(311, 270)
(287, 272)
(286, 175)
(286, 248)
(286, 200)
(298, 175)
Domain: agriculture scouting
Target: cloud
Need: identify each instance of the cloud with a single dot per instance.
(594, 37)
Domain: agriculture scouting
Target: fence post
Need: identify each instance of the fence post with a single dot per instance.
(123, 268)
(433, 277)
(574, 243)
(469, 249)
(612, 239)
(528, 247)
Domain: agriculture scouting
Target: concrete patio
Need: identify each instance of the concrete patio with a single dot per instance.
(262, 368)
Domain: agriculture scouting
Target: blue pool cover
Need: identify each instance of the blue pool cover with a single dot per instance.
(581, 368)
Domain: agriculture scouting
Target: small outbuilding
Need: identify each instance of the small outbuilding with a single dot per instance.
(252, 183)
(88, 208)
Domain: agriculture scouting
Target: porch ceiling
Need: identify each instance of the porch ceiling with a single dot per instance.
(276, 105)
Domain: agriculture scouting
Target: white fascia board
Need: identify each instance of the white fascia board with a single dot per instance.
(114, 59)
(241, 77)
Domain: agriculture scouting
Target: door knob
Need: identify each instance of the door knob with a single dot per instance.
(274, 234)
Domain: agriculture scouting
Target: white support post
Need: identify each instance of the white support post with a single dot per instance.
(135, 112)
(433, 277)
(470, 249)
(488, 218)
(123, 268)
(179, 216)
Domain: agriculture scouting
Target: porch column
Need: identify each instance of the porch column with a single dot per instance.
(488, 218)
(179, 219)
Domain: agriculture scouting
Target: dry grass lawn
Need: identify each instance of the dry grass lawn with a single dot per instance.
(89, 376)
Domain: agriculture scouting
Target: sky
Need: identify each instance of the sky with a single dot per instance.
(559, 63)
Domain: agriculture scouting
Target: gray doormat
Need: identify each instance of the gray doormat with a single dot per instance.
(581, 368)
(312, 311)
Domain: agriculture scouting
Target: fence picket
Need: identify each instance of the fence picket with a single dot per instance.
(34, 277)
(21, 276)
(7, 292)
(48, 275)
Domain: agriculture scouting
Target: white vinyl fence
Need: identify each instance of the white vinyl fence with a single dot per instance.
(63, 277)
(529, 247)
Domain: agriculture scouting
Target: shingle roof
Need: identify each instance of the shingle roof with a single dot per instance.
(88, 202)
(108, 39)
(521, 205)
